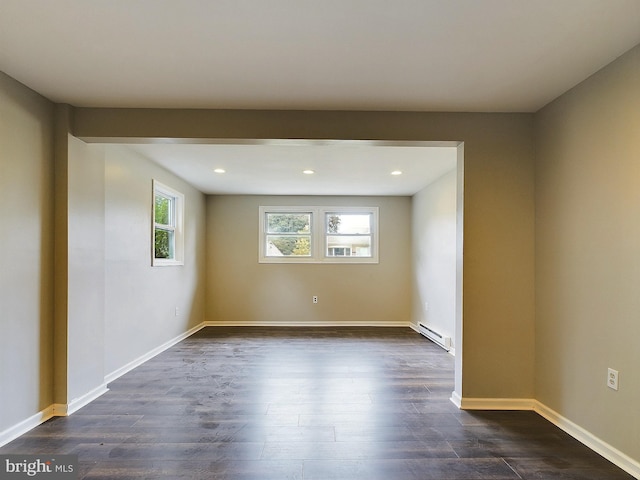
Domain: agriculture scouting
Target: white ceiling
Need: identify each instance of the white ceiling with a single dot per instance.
(436, 55)
(418, 55)
(276, 168)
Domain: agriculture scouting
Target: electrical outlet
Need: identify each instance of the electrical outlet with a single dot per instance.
(426, 306)
(612, 379)
(177, 312)
(315, 299)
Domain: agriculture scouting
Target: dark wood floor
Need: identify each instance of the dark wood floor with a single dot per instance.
(308, 403)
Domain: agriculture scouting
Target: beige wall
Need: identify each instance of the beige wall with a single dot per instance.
(141, 299)
(497, 354)
(581, 320)
(85, 270)
(52, 192)
(434, 213)
(587, 253)
(244, 291)
(26, 239)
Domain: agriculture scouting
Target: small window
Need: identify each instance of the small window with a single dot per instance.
(168, 237)
(318, 235)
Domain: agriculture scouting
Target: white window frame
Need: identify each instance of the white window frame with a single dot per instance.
(176, 225)
(263, 256)
(319, 248)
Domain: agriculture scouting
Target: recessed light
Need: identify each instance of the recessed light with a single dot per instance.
(219, 170)
(308, 172)
(396, 172)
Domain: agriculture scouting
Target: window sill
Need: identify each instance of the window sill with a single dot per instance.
(313, 261)
(158, 262)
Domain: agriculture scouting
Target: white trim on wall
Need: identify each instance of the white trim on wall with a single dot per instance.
(284, 323)
(66, 409)
(77, 403)
(63, 410)
(466, 403)
(599, 446)
(615, 456)
(27, 424)
(152, 353)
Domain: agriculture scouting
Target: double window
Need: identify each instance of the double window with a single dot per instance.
(318, 235)
(168, 237)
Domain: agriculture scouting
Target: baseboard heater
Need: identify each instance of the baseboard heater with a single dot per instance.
(435, 337)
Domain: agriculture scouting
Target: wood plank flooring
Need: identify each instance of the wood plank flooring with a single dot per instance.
(305, 403)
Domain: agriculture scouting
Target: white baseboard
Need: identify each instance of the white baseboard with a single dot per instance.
(466, 403)
(149, 355)
(596, 444)
(23, 427)
(77, 403)
(615, 456)
(63, 410)
(260, 323)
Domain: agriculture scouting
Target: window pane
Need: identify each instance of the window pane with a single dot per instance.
(348, 223)
(348, 246)
(288, 246)
(288, 222)
(162, 209)
(163, 243)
